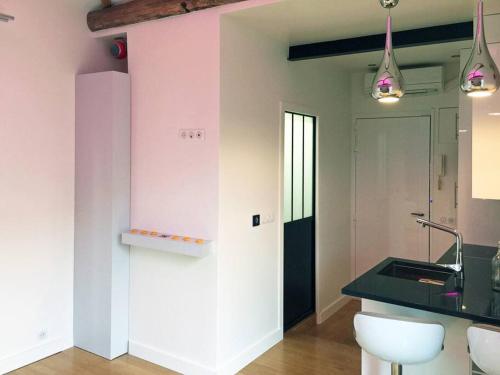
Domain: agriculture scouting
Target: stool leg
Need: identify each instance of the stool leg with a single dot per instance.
(396, 369)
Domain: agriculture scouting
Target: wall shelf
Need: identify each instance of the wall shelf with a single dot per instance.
(188, 246)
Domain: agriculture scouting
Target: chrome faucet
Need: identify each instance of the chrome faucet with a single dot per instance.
(458, 267)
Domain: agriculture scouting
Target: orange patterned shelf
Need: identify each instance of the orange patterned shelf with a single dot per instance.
(194, 247)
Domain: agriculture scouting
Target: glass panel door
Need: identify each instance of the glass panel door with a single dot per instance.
(299, 221)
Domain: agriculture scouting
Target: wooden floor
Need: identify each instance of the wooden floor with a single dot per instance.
(307, 349)
(311, 349)
(78, 362)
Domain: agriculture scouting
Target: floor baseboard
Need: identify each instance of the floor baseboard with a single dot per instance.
(186, 366)
(168, 360)
(34, 354)
(331, 309)
(251, 353)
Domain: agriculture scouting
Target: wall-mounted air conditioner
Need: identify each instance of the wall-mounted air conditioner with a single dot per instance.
(418, 81)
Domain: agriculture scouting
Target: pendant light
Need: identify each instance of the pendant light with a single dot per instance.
(480, 76)
(388, 84)
(388, 4)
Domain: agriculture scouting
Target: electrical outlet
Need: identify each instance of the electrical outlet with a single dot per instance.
(200, 134)
(192, 134)
(43, 334)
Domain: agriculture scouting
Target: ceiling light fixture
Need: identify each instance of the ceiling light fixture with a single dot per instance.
(388, 84)
(388, 4)
(480, 77)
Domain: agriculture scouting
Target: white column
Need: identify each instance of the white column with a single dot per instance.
(102, 213)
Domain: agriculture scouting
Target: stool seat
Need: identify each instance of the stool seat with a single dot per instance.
(484, 347)
(399, 340)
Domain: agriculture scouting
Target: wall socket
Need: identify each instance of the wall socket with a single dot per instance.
(192, 134)
(43, 334)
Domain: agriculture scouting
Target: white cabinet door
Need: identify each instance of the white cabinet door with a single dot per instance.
(486, 142)
(392, 182)
(445, 182)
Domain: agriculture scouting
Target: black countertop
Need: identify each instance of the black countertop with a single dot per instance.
(477, 301)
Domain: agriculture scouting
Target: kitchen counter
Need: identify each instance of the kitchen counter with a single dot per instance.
(476, 302)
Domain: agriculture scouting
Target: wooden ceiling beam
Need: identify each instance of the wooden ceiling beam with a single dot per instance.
(106, 3)
(136, 11)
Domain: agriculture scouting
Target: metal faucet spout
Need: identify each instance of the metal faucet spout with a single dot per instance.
(458, 267)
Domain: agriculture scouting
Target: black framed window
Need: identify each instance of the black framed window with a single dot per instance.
(299, 149)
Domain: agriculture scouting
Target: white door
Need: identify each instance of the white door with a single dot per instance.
(392, 161)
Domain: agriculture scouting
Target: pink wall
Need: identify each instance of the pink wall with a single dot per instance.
(40, 54)
(174, 68)
(174, 65)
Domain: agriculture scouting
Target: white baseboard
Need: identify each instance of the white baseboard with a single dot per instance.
(189, 367)
(34, 354)
(251, 353)
(168, 360)
(331, 309)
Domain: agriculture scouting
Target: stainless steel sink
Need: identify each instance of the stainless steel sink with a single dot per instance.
(422, 273)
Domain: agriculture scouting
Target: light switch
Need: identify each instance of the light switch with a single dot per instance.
(256, 220)
(267, 218)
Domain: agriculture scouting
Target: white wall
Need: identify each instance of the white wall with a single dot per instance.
(479, 220)
(256, 79)
(325, 89)
(318, 85)
(41, 51)
(253, 79)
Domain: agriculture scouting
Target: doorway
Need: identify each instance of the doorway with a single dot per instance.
(299, 217)
(392, 186)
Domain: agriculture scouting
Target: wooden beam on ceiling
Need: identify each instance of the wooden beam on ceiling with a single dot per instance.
(106, 3)
(409, 38)
(136, 11)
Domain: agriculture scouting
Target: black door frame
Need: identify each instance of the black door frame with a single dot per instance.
(313, 217)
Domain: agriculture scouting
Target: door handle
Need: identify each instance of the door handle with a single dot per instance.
(420, 214)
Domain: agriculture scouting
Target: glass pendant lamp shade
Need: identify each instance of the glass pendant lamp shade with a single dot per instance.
(389, 3)
(480, 76)
(388, 84)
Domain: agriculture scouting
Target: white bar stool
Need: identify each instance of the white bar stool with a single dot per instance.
(484, 347)
(399, 340)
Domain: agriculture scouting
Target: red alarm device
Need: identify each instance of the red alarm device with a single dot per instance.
(119, 48)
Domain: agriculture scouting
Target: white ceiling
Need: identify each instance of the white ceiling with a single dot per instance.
(308, 21)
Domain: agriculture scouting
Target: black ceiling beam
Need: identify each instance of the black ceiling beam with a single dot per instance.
(410, 38)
